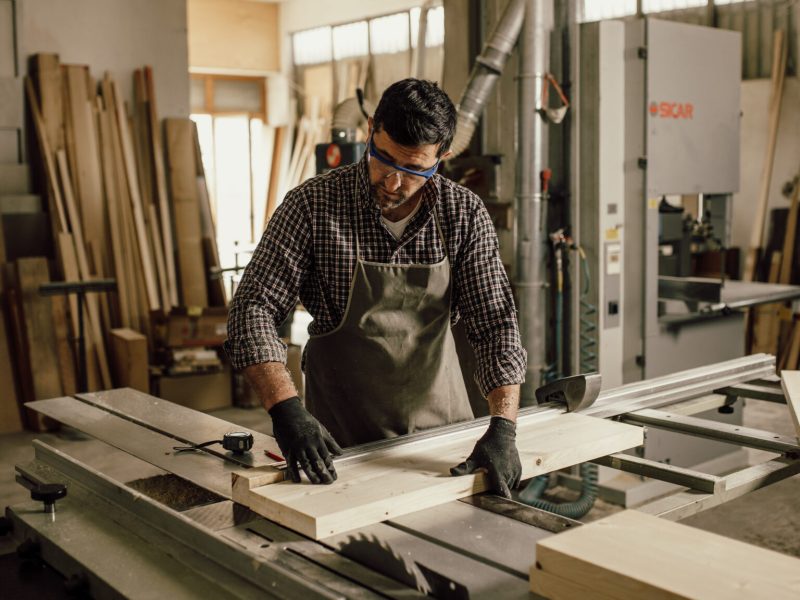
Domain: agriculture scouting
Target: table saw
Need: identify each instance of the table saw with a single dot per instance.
(179, 534)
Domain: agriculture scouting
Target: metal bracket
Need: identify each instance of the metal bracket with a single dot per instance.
(641, 52)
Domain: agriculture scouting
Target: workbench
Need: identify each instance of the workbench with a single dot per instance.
(116, 539)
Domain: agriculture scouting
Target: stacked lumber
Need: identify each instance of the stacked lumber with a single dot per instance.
(102, 163)
(634, 555)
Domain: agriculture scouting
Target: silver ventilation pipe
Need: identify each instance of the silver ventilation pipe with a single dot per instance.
(532, 160)
(487, 70)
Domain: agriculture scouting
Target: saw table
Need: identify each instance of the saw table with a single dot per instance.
(178, 534)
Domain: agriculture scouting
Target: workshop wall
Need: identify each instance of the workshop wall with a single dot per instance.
(754, 132)
(232, 35)
(116, 36)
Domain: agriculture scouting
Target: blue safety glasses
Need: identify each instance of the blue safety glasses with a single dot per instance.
(426, 174)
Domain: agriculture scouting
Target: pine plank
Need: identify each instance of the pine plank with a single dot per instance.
(129, 161)
(162, 196)
(634, 555)
(216, 287)
(66, 245)
(56, 200)
(790, 382)
(84, 272)
(788, 252)
(183, 185)
(275, 173)
(47, 75)
(87, 179)
(413, 477)
(64, 351)
(111, 183)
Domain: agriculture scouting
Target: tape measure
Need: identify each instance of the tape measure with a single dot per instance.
(237, 442)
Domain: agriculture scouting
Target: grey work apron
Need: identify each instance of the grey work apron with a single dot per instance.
(390, 367)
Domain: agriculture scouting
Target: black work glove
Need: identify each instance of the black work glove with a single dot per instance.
(304, 442)
(496, 452)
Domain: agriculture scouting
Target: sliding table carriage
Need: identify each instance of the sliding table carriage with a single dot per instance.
(197, 527)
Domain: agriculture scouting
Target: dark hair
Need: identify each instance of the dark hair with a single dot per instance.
(415, 112)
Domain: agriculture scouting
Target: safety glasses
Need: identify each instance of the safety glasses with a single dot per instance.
(387, 167)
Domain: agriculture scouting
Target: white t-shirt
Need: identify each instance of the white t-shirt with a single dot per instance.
(398, 227)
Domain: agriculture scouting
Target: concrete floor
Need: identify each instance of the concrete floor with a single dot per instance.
(769, 518)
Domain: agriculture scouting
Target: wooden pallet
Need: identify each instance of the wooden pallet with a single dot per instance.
(416, 476)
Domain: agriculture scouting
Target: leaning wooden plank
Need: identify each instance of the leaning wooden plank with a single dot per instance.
(111, 183)
(216, 287)
(10, 416)
(161, 187)
(412, 478)
(64, 350)
(634, 555)
(126, 146)
(66, 248)
(56, 202)
(84, 272)
(183, 185)
(46, 73)
(788, 253)
(40, 341)
(275, 173)
(790, 382)
(775, 102)
(87, 179)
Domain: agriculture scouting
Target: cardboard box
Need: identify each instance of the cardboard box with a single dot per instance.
(192, 327)
(204, 392)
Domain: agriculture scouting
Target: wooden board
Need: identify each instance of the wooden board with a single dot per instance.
(40, 341)
(137, 211)
(634, 555)
(790, 382)
(46, 72)
(86, 177)
(10, 416)
(130, 359)
(789, 238)
(416, 476)
(553, 587)
(192, 276)
(161, 187)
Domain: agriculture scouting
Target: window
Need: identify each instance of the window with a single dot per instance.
(230, 112)
(331, 62)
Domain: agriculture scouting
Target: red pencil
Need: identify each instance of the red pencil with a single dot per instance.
(274, 456)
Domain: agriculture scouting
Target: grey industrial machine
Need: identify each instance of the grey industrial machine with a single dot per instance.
(659, 121)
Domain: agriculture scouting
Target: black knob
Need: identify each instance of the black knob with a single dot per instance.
(725, 410)
(49, 493)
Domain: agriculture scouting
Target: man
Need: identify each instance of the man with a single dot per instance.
(386, 255)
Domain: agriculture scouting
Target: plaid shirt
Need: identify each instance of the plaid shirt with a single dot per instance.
(308, 250)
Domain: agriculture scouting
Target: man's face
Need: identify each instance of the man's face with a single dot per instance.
(389, 187)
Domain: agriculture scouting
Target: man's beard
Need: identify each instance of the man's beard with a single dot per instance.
(386, 201)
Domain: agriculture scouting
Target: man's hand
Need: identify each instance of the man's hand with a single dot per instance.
(304, 442)
(496, 452)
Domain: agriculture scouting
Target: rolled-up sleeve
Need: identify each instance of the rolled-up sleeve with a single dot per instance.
(269, 286)
(484, 300)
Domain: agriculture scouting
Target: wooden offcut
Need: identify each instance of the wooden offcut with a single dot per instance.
(130, 359)
(631, 555)
(412, 477)
(188, 232)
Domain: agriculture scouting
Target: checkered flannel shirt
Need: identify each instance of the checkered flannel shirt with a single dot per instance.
(308, 251)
